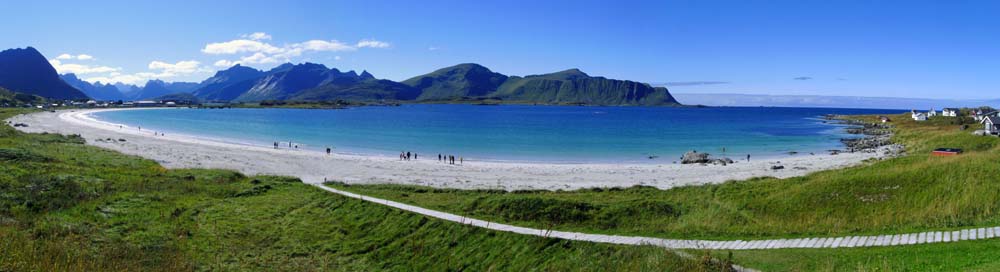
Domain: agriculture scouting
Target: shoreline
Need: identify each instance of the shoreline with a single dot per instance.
(642, 158)
(184, 151)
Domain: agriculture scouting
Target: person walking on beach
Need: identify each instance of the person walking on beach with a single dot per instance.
(461, 160)
(401, 155)
(328, 151)
(407, 155)
(275, 145)
(439, 157)
(414, 155)
(748, 157)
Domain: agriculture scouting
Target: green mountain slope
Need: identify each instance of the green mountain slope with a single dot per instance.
(575, 87)
(463, 80)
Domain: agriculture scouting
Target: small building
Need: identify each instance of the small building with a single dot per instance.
(147, 103)
(991, 124)
(950, 112)
(931, 113)
(919, 116)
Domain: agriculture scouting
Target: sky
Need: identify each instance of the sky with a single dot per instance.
(918, 49)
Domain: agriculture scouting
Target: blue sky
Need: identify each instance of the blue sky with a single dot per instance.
(922, 49)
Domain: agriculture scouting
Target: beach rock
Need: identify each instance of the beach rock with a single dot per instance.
(694, 157)
(777, 167)
(722, 161)
(121, 140)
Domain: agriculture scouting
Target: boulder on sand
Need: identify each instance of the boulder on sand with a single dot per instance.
(694, 157)
(722, 161)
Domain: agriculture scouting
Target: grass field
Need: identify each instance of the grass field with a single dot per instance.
(916, 192)
(66, 206)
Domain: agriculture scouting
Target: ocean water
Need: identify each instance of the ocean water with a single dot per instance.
(519, 133)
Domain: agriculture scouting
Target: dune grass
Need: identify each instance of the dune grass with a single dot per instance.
(916, 192)
(66, 206)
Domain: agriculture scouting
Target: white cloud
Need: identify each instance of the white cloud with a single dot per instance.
(65, 56)
(64, 68)
(336, 57)
(432, 48)
(264, 53)
(257, 36)
(372, 44)
(224, 63)
(160, 70)
(256, 58)
(321, 45)
(181, 67)
(240, 46)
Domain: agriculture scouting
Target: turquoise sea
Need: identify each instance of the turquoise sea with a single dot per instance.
(521, 133)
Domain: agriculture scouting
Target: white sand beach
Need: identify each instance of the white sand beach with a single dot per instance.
(181, 151)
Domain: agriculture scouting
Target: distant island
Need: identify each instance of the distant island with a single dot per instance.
(27, 71)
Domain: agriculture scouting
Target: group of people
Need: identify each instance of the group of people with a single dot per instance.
(450, 159)
(290, 145)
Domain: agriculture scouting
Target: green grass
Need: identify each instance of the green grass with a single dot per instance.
(979, 255)
(917, 192)
(66, 206)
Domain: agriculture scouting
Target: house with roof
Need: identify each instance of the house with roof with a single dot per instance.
(991, 124)
(950, 112)
(980, 114)
(918, 116)
(931, 113)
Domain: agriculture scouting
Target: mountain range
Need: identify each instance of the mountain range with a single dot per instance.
(310, 82)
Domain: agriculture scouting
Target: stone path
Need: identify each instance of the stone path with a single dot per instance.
(818, 242)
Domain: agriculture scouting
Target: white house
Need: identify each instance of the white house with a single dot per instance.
(950, 112)
(931, 113)
(991, 124)
(919, 116)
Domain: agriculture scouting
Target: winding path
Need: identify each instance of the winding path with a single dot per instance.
(816, 242)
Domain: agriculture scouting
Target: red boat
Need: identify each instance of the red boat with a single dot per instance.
(946, 152)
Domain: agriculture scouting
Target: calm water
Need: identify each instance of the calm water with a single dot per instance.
(526, 133)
